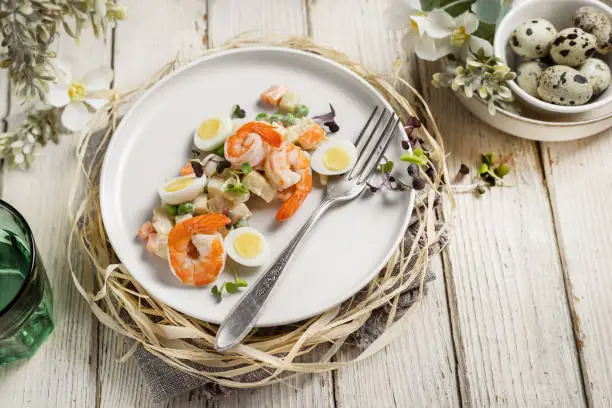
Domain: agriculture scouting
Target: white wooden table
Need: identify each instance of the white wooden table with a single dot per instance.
(520, 314)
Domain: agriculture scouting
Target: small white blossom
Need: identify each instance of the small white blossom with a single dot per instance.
(78, 97)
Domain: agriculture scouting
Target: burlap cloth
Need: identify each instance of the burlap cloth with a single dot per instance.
(165, 382)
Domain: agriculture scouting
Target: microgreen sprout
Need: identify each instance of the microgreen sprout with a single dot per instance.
(220, 151)
(261, 116)
(197, 167)
(229, 286)
(246, 168)
(237, 188)
(238, 112)
(490, 173)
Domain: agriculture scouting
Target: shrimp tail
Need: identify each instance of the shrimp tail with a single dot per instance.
(264, 130)
(296, 199)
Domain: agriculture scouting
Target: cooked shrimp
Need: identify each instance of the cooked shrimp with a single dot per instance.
(307, 133)
(289, 167)
(195, 249)
(187, 170)
(273, 95)
(247, 144)
(155, 242)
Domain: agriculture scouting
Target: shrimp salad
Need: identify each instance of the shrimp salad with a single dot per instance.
(204, 214)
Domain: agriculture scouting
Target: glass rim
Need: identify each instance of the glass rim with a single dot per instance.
(28, 231)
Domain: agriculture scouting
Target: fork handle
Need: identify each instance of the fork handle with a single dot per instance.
(242, 317)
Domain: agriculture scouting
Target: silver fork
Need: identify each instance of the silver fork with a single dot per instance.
(371, 145)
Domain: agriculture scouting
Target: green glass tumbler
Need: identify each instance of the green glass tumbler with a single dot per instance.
(26, 301)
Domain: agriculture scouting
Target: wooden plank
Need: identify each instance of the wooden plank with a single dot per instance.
(418, 368)
(579, 181)
(154, 33)
(63, 371)
(508, 306)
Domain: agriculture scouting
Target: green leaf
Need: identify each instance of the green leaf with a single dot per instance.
(216, 292)
(501, 171)
(411, 158)
(387, 167)
(485, 31)
(488, 158)
(238, 112)
(246, 168)
(488, 11)
(220, 151)
(238, 188)
(483, 168)
(231, 287)
(241, 283)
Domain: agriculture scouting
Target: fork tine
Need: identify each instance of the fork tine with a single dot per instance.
(360, 162)
(378, 153)
(363, 130)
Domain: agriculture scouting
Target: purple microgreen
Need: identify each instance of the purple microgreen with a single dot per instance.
(464, 169)
(332, 126)
(405, 145)
(413, 169)
(197, 167)
(238, 112)
(326, 117)
(418, 183)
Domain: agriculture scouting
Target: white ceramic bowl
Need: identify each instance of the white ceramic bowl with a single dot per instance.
(559, 13)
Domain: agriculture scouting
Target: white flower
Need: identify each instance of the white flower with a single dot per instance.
(79, 96)
(423, 36)
(459, 32)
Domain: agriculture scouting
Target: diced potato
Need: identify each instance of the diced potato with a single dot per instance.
(162, 246)
(218, 204)
(238, 212)
(237, 197)
(180, 218)
(289, 102)
(215, 186)
(200, 205)
(259, 186)
(161, 221)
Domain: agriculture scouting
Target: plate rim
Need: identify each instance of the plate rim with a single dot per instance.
(109, 224)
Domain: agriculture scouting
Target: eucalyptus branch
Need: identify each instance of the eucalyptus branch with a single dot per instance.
(29, 28)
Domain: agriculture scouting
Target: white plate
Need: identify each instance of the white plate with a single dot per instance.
(345, 250)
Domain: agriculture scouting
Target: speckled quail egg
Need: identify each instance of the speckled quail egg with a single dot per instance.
(598, 74)
(247, 246)
(334, 157)
(563, 85)
(181, 189)
(532, 38)
(594, 21)
(528, 76)
(572, 47)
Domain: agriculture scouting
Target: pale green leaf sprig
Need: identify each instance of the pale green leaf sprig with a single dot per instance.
(18, 146)
(482, 75)
(29, 29)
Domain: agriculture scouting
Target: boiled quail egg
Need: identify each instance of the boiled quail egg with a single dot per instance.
(532, 38)
(563, 85)
(212, 132)
(528, 76)
(181, 189)
(595, 21)
(598, 74)
(572, 47)
(334, 157)
(247, 246)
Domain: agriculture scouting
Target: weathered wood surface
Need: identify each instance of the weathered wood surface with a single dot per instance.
(519, 314)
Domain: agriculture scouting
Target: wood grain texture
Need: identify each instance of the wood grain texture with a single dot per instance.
(155, 32)
(510, 315)
(63, 371)
(418, 369)
(579, 176)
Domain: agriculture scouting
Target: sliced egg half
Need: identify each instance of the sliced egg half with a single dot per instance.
(334, 157)
(181, 189)
(247, 246)
(212, 132)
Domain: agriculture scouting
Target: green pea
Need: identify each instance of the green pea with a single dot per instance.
(185, 208)
(261, 116)
(274, 118)
(171, 210)
(288, 119)
(301, 111)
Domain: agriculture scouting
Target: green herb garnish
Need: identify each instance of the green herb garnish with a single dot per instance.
(261, 116)
(387, 167)
(288, 119)
(420, 160)
(246, 168)
(220, 151)
(229, 286)
(238, 112)
(237, 188)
